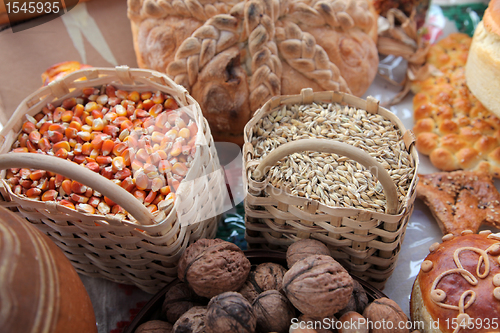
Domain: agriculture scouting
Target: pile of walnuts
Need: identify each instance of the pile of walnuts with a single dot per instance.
(220, 292)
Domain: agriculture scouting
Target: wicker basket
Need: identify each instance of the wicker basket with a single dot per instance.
(142, 252)
(366, 242)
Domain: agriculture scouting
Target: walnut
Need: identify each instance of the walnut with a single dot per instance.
(318, 286)
(230, 312)
(358, 300)
(213, 266)
(267, 276)
(154, 326)
(303, 249)
(274, 312)
(178, 300)
(387, 310)
(193, 321)
(352, 322)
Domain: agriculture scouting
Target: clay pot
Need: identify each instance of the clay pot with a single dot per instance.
(39, 289)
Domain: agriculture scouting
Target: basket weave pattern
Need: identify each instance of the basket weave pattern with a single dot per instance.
(366, 242)
(144, 254)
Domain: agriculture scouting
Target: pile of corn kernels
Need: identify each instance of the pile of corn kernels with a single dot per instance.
(140, 141)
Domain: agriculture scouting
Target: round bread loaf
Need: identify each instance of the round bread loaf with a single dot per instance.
(459, 282)
(483, 65)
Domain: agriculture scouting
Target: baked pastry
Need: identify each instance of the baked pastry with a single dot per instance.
(459, 283)
(451, 125)
(233, 56)
(460, 200)
(483, 66)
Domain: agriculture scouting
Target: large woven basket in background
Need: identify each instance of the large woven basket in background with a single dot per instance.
(366, 242)
(143, 252)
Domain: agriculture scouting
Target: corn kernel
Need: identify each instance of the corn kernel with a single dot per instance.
(185, 133)
(34, 136)
(61, 153)
(67, 116)
(179, 169)
(37, 174)
(78, 198)
(71, 132)
(109, 201)
(123, 174)
(141, 180)
(67, 204)
(33, 192)
(97, 124)
(61, 144)
(103, 160)
(128, 183)
(103, 208)
(66, 186)
(44, 128)
(56, 116)
(85, 208)
(93, 166)
(49, 195)
(102, 99)
(134, 96)
(158, 97)
(170, 104)
(94, 201)
(107, 147)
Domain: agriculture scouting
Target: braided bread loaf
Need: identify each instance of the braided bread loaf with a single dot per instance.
(233, 56)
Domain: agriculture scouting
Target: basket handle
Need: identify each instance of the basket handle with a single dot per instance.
(82, 175)
(328, 146)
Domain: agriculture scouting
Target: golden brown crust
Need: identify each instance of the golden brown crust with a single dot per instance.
(451, 125)
(460, 200)
(284, 47)
(484, 307)
(491, 17)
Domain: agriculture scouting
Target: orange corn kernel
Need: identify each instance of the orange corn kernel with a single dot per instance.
(170, 104)
(111, 130)
(155, 110)
(139, 195)
(39, 116)
(61, 153)
(43, 184)
(44, 144)
(93, 166)
(34, 136)
(110, 91)
(134, 96)
(18, 189)
(52, 185)
(118, 163)
(122, 174)
(96, 114)
(162, 121)
(107, 147)
(79, 159)
(185, 133)
(87, 148)
(128, 184)
(66, 186)
(78, 110)
(118, 148)
(103, 160)
(84, 135)
(71, 133)
(94, 201)
(150, 197)
(61, 144)
(176, 149)
(147, 104)
(58, 112)
(109, 201)
(127, 155)
(78, 198)
(179, 169)
(90, 106)
(37, 174)
(67, 116)
(85, 208)
(68, 103)
(93, 154)
(152, 208)
(165, 190)
(58, 180)
(77, 187)
(102, 99)
(107, 172)
(158, 97)
(146, 95)
(127, 124)
(158, 198)
(67, 204)
(24, 173)
(26, 183)
(54, 136)
(98, 141)
(139, 113)
(118, 210)
(28, 127)
(49, 195)
(33, 192)
(44, 128)
(97, 124)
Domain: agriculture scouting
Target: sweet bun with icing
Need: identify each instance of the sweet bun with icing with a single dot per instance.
(459, 282)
